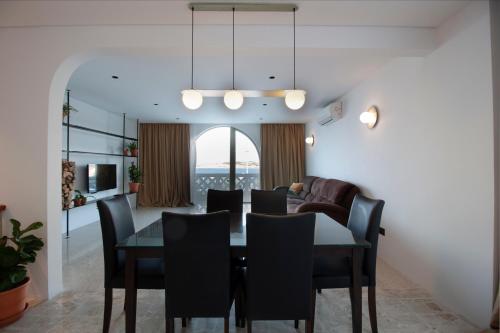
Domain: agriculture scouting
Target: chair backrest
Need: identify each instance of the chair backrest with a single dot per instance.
(116, 224)
(280, 266)
(225, 200)
(364, 222)
(268, 202)
(197, 264)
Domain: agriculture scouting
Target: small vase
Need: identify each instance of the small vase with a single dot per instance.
(125, 151)
(134, 152)
(134, 187)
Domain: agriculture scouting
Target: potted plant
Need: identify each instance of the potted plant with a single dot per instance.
(134, 175)
(134, 151)
(67, 109)
(80, 199)
(15, 253)
(125, 151)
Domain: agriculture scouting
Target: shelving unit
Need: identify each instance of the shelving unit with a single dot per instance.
(68, 151)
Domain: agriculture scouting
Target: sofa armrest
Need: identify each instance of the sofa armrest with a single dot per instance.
(281, 189)
(336, 212)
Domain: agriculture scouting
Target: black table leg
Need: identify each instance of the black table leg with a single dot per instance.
(356, 290)
(130, 292)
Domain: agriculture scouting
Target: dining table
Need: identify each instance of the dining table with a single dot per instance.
(330, 238)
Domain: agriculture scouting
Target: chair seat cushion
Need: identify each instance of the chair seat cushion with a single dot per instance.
(150, 275)
(332, 272)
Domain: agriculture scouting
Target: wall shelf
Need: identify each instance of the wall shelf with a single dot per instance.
(96, 153)
(68, 151)
(93, 201)
(87, 129)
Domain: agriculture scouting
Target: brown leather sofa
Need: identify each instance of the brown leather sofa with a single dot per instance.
(330, 196)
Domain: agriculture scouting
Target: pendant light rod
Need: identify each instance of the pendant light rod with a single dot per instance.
(294, 48)
(192, 47)
(233, 48)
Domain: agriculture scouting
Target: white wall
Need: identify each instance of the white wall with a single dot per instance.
(99, 119)
(430, 158)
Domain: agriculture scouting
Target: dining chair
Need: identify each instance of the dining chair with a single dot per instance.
(116, 225)
(200, 281)
(268, 202)
(280, 268)
(225, 200)
(335, 272)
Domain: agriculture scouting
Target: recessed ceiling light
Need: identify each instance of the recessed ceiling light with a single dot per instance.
(177, 118)
(272, 77)
(264, 104)
(156, 104)
(115, 77)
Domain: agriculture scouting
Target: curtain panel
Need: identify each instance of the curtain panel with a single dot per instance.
(282, 154)
(164, 162)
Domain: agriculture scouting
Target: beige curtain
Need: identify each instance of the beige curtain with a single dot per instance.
(164, 164)
(282, 154)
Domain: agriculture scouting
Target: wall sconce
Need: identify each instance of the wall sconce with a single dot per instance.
(310, 140)
(369, 117)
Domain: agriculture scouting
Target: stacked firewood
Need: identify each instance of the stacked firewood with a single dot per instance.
(68, 183)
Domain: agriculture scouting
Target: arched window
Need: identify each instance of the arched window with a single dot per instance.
(225, 159)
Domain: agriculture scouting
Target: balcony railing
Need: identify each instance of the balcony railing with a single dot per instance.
(218, 181)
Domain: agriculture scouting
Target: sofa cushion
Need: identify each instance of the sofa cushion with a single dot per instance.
(296, 187)
(328, 191)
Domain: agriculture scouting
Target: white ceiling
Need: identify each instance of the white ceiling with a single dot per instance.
(330, 60)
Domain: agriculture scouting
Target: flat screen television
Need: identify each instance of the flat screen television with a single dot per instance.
(101, 177)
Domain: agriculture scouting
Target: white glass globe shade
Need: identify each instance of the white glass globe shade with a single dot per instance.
(369, 118)
(192, 99)
(233, 99)
(295, 99)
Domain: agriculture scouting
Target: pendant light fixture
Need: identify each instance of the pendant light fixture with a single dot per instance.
(294, 99)
(233, 99)
(192, 99)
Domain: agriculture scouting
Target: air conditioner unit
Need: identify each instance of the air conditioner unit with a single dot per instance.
(330, 114)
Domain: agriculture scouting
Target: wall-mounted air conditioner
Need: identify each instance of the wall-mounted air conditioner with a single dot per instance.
(330, 113)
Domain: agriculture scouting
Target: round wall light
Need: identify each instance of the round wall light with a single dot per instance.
(310, 140)
(369, 117)
(295, 99)
(233, 99)
(192, 99)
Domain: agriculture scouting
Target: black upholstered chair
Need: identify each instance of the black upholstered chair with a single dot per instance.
(280, 268)
(225, 200)
(335, 272)
(117, 224)
(199, 279)
(268, 202)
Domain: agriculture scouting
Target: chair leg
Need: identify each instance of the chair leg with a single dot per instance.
(108, 306)
(249, 326)
(372, 308)
(296, 324)
(313, 309)
(125, 303)
(184, 322)
(170, 325)
(309, 326)
(226, 325)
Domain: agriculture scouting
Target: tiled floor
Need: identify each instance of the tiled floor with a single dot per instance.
(402, 305)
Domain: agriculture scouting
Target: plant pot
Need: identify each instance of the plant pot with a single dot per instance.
(13, 303)
(134, 152)
(134, 187)
(80, 202)
(125, 151)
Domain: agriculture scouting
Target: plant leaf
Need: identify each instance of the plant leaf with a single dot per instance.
(31, 227)
(10, 278)
(9, 257)
(16, 228)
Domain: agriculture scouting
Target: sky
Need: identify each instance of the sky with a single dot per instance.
(212, 149)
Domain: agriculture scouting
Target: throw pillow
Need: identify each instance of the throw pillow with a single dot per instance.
(296, 187)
